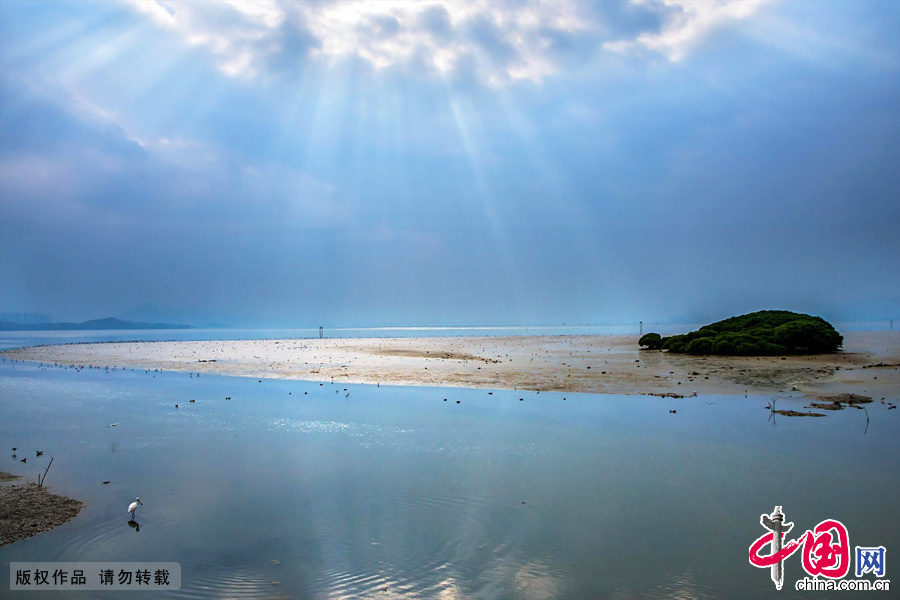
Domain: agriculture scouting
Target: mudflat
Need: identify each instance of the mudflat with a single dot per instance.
(27, 509)
(869, 364)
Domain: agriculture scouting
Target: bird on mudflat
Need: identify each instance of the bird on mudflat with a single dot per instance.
(133, 507)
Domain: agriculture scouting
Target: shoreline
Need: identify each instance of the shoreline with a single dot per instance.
(27, 509)
(869, 364)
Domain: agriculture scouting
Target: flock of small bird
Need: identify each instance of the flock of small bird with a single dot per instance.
(25, 460)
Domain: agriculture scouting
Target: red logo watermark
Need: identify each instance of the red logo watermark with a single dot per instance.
(825, 549)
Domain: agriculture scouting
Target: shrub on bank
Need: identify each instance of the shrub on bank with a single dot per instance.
(651, 340)
(762, 333)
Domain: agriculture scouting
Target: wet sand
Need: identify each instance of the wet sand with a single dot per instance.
(869, 364)
(27, 509)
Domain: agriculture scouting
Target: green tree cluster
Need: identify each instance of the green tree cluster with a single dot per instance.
(762, 333)
(651, 340)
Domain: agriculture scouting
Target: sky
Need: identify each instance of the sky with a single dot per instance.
(286, 164)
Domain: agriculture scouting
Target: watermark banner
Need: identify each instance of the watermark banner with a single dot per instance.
(825, 554)
(94, 576)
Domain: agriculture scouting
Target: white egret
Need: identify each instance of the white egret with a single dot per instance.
(133, 506)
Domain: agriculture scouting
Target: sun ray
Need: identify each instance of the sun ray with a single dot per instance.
(513, 278)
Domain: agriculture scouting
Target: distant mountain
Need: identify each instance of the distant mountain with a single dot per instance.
(94, 324)
(154, 313)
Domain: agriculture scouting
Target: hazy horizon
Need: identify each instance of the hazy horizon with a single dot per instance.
(301, 164)
(666, 327)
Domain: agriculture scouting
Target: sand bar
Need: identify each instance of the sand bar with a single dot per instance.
(869, 363)
(27, 509)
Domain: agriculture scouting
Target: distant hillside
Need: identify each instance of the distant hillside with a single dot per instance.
(94, 324)
(154, 313)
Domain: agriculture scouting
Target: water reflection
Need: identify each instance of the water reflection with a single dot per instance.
(535, 580)
(393, 493)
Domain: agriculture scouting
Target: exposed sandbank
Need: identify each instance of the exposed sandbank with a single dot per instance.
(27, 509)
(869, 364)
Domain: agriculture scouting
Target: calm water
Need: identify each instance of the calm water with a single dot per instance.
(393, 493)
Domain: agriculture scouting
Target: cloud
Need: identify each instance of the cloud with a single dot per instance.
(687, 22)
(57, 156)
(33, 122)
(501, 42)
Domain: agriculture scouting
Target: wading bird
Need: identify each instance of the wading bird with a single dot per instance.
(133, 507)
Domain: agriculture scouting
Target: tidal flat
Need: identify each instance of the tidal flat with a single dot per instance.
(869, 364)
(265, 488)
